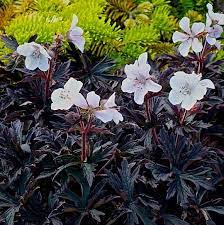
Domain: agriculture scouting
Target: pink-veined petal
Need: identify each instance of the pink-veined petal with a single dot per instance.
(93, 99)
(175, 97)
(73, 85)
(178, 36)
(26, 49)
(207, 83)
(80, 101)
(185, 25)
(208, 20)
(152, 86)
(211, 40)
(197, 45)
(178, 80)
(142, 59)
(184, 47)
(139, 95)
(58, 102)
(198, 28)
(104, 115)
(131, 71)
(188, 102)
(198, 92)
(44, 64)
(117, 116)
(31, 62)
(110, 102)
(74, 22)
(128, 86)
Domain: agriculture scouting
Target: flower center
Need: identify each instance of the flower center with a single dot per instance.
(65, 94)
(185, 90)
(141, 80)
(36, 53)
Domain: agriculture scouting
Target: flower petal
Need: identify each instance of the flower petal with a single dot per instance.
(131, 71)
(210, 40)
(108, 115)
(79, 42)
(142, 59)
(208, 20)
(139, 95)
(58, 102)
(198, 28)
(152, 86)
(74, 22)
(80, 101)
(93, 99)
(73, 86)
(207, 83)
(43, 65)
(175, 97)
(184, 47)
(103, 115)
(26, 49)
(197, 45)
(128, 86)
(188, 102)
(178, 36)
(44, 52)
(185, 25)
(31, 62)
(110, 102)
(178, 80)
(198, 92)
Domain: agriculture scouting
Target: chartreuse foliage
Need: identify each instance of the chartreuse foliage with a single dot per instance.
(120, 29)
(103, 22)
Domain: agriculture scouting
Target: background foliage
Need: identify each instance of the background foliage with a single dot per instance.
(120, 29)
(139, 172)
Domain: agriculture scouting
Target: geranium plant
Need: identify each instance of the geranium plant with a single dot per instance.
(85, 143)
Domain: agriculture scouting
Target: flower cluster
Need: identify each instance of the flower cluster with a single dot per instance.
(65, 98)
(188, 88)
(138, 80)
(75, 34)
(38, 57)
(199, 34)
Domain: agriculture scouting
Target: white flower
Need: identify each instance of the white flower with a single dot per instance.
(138, 80)
(105, 110)
(190, 37)
(213, 22)
(36, 56)
(75, 35)
(214, 18)
(187, 89)
(213, 33)
(63, 98)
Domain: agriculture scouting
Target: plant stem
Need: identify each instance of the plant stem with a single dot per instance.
(47, 83)
(147, 107)
(201, 60)
(181, 123)
(85, 131)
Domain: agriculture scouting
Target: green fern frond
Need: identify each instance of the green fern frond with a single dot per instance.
(7, 12)
(22, 6)
(26, 25)
(194, 16)
(163, 22)
(119, 10)
(159, 48)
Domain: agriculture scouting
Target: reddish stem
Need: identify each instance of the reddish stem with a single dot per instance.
(147, 107)
(85, 131)
(47, 83)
